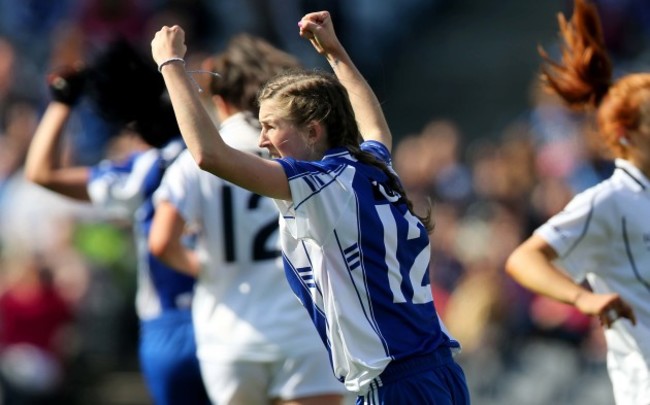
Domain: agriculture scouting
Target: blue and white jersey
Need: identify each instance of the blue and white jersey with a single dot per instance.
(126, 188)
(358, 260)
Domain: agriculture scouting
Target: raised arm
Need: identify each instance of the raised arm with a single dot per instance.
(319, 29)
(42, 164)
(531, 265)
(203, 140)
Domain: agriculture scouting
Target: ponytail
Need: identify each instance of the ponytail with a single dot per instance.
(584, 75)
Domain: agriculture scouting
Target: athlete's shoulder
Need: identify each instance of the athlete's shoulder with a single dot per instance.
(299, 168)
(378, 149)
(597, 195)
(628, 176)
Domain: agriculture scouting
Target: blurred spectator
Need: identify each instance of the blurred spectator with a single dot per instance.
(366, 23)
(431, 167)
(29, 26)
(449, 178)
(103, 21)
(18, 115)
(19, 122)
(626, 26)
(34, 333)
(446, 268)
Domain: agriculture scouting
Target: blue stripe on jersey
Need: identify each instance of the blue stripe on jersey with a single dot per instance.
(319, 181)
(352, 256)
(301, 288)
(368, 312)
(307, 276)
(313, 177)
(309, 183)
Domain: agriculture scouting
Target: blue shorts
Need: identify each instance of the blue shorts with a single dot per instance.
(431, 379)
(168, 360)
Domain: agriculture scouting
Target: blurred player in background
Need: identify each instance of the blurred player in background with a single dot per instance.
(603, 234)
(127, 91)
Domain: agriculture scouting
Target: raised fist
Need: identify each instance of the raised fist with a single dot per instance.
(67, 84)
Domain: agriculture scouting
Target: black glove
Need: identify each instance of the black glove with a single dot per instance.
(67, 84)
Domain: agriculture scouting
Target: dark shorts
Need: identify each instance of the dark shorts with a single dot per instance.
(432, 379)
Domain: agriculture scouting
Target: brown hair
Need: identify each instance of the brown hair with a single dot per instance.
(307, 96)
(583, 78)
(244, 66)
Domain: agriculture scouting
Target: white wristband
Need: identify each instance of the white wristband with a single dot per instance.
(168, 61)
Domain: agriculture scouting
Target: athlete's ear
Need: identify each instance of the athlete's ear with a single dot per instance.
(315, 132)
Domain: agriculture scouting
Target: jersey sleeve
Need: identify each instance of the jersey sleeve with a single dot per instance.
(580, 233)
(379, 150)
(117, 186)
(319, 195)
(180, 187)
(322, 193)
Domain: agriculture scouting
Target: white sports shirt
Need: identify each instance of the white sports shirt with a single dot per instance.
(243, 308)
(359, 261)
(603, 234)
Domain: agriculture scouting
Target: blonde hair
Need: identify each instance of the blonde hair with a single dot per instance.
(304, 96)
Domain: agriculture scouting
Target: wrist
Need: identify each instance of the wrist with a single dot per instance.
(168, 61)
(576, 297)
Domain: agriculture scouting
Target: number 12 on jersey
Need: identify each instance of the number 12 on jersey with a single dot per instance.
(260, 249)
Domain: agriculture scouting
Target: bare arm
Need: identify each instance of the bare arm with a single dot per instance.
(42, 163)
(531, 266)
(203, 140)
(318, 28)
(165, 240)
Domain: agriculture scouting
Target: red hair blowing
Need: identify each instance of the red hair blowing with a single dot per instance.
(583, 78)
